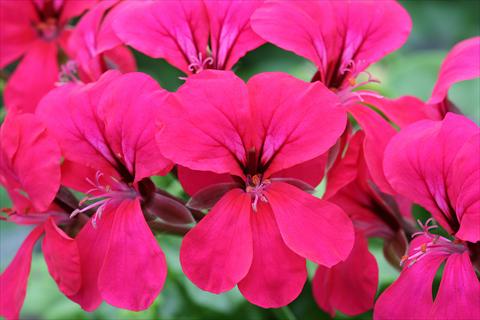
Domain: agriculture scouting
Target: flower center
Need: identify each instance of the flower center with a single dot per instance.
(255, 186)
(436, 245)
(348, 93)
(103, 194)
(199, 63)
(48, 29)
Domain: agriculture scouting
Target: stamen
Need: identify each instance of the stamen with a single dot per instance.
(105, 194)
(198, 64)
(256, 187)
(348, 95)
(68, 73)
(436, 244)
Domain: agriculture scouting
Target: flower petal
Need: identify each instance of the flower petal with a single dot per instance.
(313, 228)
(334, 33)
(174, 30)
(62, 258)
(461, 64)
(24, 89)
(378, 133)
(457, 297)
(129, 106)
(17, 33)
(13, 281)
(410, 296)
(297, 121)
(231, 35)
(277, 274)
(134, 267)
(208, 118)
(194, 181)
(418, 163)
(217, 253)
(349, 286)
(464, 190)
(30, 163)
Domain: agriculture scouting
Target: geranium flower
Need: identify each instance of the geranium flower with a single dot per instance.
(190, 35)
(95, 48)
(106, 133)
(435, 164)
(36, 31)
(263, 135)
(30, 172)
(342, 38)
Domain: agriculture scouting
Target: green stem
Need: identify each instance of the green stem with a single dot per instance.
(284, 313)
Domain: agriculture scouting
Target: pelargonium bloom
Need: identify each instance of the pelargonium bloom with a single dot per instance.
(261, 136)
(435, 164)
(36, 30)
(106, 133)
(342, 38)
(95, 48)
(190, 35)
(30, 172)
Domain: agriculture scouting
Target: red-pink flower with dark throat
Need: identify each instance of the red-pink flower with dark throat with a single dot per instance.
(259, 138)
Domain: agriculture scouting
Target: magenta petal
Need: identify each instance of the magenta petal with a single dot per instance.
(231, 35)
(73, 8)
(410, 296)
(309, 173)
(174, 30)
(459, 292)
(29, 163)
(17, 33)
(404, 110)
(62, 258)
(193, 181)
(461, 64)
(24, 89)
(464, 189)
(349, 286)
(134, 268)
(313, 228)
(129, 106)
(378, 133)
(92, 245)
(332, 32)
(13, 281)
(419, 165)
(277, 274)
(217, 253)
(208, 118)
(296, 121)
(345, 169)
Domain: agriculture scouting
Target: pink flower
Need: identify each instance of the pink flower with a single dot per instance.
(435, 164)
(190, 35)
(35, 30)
(106, 134)
(261, 137)
(30, 172)
(342, 38)
(95, 48)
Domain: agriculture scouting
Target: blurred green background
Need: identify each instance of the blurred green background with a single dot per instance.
(437, 26)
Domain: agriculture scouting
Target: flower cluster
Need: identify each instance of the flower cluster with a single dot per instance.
(84, 134)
